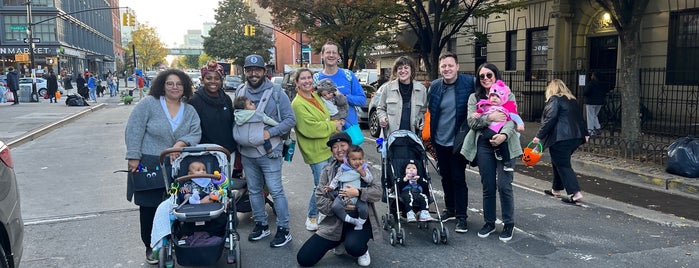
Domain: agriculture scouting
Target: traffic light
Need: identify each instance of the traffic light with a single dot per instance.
(125, 19)
(252, 30)
(246, 30)
(132, 20)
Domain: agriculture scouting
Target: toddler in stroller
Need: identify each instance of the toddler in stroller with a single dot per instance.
(412, 194)
(200, 190)
(351, 172)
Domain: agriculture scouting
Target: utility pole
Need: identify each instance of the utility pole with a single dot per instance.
(30, 34)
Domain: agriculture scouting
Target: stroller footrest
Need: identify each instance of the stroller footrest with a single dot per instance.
(198, 212)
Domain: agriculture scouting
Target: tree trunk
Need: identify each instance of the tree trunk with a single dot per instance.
(630, 84)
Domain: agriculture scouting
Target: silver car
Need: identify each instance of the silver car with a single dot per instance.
(12, 231)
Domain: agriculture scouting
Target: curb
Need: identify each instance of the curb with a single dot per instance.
(30, 136)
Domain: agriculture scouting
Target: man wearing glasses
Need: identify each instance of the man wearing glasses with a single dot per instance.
(262, 168)
(448, 110)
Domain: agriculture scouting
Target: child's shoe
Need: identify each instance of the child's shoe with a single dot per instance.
(425, 216)
(411, 216)
(507, 166)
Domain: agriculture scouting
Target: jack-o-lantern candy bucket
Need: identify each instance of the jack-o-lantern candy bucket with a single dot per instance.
(532, 155)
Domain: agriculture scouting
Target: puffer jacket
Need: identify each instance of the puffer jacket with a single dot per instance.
(562, 120)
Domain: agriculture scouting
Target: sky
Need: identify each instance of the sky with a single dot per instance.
(172, 18)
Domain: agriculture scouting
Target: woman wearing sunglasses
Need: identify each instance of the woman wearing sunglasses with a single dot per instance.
(481, 149)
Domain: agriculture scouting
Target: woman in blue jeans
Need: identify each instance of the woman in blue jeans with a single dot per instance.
(332, 231)
(562, 131)
(477, 147)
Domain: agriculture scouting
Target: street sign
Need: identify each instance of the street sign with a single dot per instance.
(16, 28)
(34, 40)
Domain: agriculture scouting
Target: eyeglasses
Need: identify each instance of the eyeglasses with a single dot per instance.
(171, 84)
(483, 76)
(254, 70)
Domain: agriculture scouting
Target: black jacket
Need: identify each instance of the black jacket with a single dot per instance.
(216, 117)
(13, 80)
(562, 120)
(596, 93)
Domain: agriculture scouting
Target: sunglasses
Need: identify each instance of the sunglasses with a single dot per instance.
(489, 75)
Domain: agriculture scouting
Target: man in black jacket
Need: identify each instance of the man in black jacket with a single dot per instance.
(13, 83)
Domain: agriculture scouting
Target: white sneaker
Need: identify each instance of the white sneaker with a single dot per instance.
(411, 216)
(425, 216)
(312, 224)
(364, 260)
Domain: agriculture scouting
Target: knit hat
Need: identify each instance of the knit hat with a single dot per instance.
(325, 84)
(500, 89)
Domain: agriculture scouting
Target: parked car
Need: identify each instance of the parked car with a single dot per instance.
(363, 112)
(12, 226)
(367, 77)
(196, 81)
(41, 87)
(374, 128)
(232, 82)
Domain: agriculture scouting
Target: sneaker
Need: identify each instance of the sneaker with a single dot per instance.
(461, 225)
(508, 169)
(411, 216)
(448, 215)
(281, 238)
(506, 234)
(311, 224)
(150, 259)
(425, 216)
(487, 229)
(260, 231)
(364, 260)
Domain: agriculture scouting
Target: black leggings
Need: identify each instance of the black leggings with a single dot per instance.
(355, 242)
(146, 217)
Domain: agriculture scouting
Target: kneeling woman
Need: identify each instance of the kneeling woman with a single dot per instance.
(332, 231)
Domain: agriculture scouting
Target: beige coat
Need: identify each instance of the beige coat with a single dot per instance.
(390, 106)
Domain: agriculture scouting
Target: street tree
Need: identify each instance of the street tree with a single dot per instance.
(150, 51)
(189, 61)
(227, 39)
(436, 22)
(203, 59)
(626, 17)
(355, 26)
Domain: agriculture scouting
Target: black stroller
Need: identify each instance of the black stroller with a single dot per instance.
(209, 217)
(397, 150)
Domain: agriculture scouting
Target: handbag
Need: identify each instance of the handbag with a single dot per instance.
(149, 175)
(356, 134)
(9, 96)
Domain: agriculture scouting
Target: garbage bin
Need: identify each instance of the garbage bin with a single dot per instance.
(25, 93)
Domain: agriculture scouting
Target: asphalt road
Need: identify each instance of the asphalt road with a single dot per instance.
(77, 216)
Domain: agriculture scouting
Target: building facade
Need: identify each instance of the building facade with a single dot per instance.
(70, 35)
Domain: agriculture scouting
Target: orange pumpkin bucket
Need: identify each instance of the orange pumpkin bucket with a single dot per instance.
(532, 155)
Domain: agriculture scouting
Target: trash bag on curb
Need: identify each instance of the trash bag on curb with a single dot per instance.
(683, 157)
(76, 100)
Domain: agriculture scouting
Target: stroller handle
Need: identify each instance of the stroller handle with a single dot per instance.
(194, 149)
(189, 177)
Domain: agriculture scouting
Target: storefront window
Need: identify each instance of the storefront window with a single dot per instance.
(36, 3)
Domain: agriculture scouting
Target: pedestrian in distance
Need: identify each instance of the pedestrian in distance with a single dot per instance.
(262, 168)
(92, 86)
(111, 84)
(313, 129)
(562, 131)
(595, 96)
(13, 83)
(52, 86)
(160, 121)
(66, 80)
(82, 89)
(447, 113)
(348, 84)
(332, 230)
(480, 145)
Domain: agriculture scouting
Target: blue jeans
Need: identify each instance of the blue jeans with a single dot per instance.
(494, 178)
(93, 94)
(316, 168)
(266, 171)
(112, 90)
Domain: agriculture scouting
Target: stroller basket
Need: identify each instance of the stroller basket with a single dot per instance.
(199, 255)
(198, 212)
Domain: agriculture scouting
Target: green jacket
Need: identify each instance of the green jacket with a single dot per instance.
(313, 129)
(468, 150)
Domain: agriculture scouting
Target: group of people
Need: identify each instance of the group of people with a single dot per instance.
(322, 114)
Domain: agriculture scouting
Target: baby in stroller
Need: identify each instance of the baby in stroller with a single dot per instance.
(351, 172)
(412, 194)
(199, 190)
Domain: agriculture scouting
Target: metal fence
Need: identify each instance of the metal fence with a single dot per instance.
(667, 111)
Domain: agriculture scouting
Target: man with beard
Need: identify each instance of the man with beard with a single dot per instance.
(262, 168)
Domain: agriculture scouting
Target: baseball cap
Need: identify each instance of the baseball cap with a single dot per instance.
(340, 136)
(254, 60)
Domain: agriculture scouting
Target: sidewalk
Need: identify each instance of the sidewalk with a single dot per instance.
(27, 121)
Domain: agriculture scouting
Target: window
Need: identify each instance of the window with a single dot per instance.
(511, 51)
(537, 53)
(16, 28)
(36, 3)
(683, 48)
(451, 45)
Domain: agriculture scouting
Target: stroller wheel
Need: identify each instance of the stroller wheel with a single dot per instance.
(401, 236)
(392, 239)
(234, 254)
(445, 235)
(436, 236)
